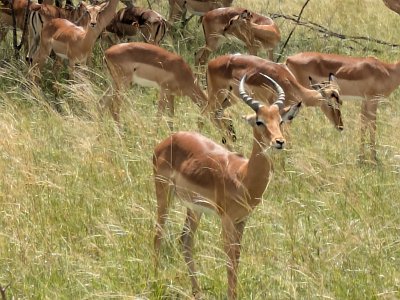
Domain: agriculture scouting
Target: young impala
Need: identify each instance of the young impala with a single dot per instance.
(41, 13)
(129, 21)
(365, 78)
(224, 72)
(255, 30)
(208, 178)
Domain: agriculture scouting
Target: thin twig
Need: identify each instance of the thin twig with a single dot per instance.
(291, 33)
(326, 31)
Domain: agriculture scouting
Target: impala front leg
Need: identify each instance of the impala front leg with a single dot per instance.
(232, 234)
(39, 60)
(166, 102)
(213, 42)
(369, 109)
(3, 33)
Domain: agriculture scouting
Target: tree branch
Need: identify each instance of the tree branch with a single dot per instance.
(321, 29)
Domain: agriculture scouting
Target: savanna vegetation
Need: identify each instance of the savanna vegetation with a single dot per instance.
(77, 200)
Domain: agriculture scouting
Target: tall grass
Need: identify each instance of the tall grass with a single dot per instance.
(77, 202)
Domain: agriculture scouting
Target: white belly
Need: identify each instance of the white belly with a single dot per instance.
(199, 208)
(62, 55)
(145, 82)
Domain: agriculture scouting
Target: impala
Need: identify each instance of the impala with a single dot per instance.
(178, 8)
(40, 13)
(128, 21)
(365, 78)
(73, 42)
(255, 30)
(224, 72)
(151, 65)
(208, 178)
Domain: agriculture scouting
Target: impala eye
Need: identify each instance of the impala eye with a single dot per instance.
(260, 123)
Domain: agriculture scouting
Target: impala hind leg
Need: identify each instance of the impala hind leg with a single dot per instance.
(369, 108)
(191, 224)
(164, 193)
(3, 32)
(232, 236)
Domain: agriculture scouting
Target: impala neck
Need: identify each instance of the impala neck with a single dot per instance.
(103, 20)
(259, 170)
(394, 70)
(312, 98)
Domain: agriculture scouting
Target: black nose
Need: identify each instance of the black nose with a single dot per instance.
(340, 127)
(279, 144)
(92, 24)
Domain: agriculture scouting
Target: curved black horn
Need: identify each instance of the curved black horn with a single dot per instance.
(254, 104)
(280, 101)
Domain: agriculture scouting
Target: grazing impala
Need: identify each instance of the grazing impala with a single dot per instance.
(224, 72)
(365, 78)
(208, 178)
(128, 21)
(40, 13)
(178, 8)
(151, 65)
(255, 30)
(73, 42)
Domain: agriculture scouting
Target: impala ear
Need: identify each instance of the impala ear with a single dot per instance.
(82, 4)
(291, 112)
(246, 15)
(103, 5)
(250, 119)
(332, 78)
(313, 84)
(231, 22)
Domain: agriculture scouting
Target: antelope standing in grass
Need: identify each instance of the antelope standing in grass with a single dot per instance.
(208, 178)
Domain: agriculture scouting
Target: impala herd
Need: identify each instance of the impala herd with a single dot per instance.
(203, 174)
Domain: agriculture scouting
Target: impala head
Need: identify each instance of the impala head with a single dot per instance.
(151, 30)
(238, 23)
(267, 119)
(94, 10)
(331, 95)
